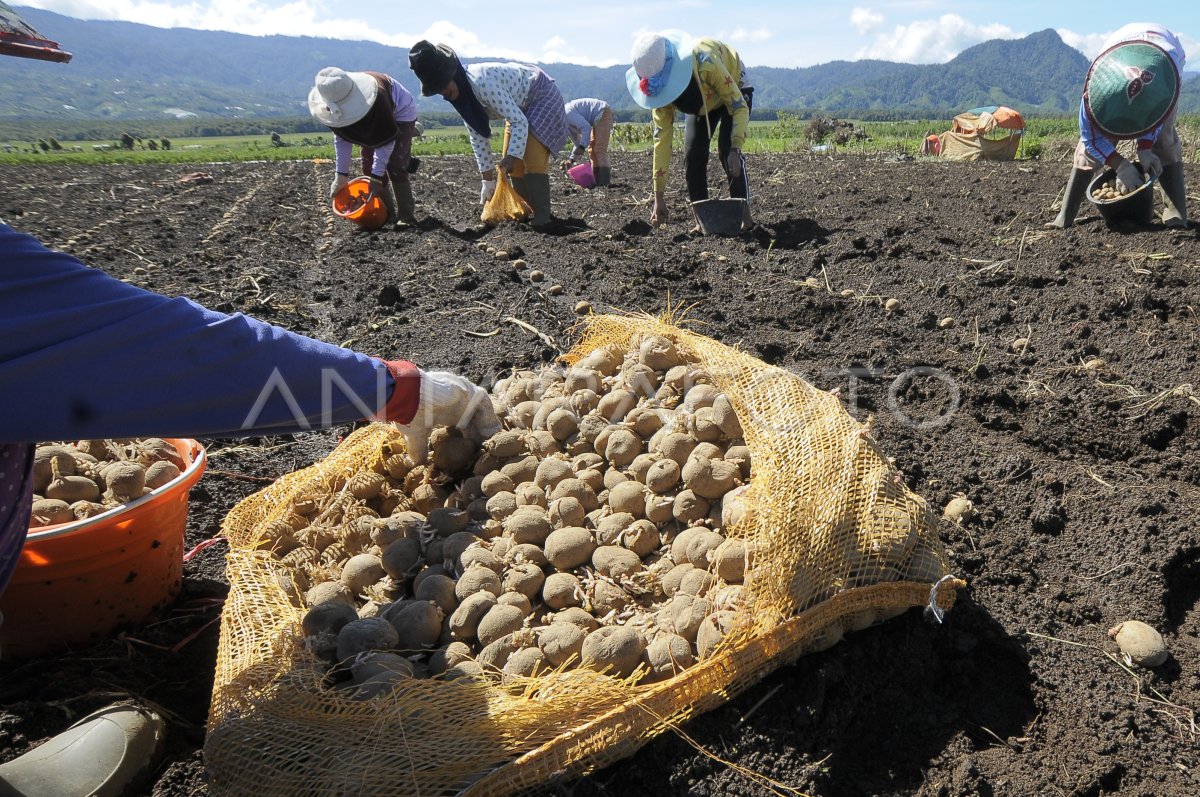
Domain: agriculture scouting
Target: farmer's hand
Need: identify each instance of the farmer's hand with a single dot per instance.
(449, 400)
(1151, 164)
(487, 189)
(339, 182)
(579, 152)
(733, 163)
(1128, 177)
(376, 186)
(659, 214)
(506, 163)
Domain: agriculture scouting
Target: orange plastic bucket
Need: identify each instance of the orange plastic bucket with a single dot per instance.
(352, 202)
(77, 582)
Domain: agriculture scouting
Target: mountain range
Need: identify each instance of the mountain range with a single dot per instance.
(125, 70)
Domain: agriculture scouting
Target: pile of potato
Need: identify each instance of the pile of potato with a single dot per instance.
(1108, 192)
(73, 481)
(589, 532)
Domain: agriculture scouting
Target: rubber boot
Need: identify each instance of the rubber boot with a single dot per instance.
(406, 205)
(99, 756)
(519, 184)
(538, 186)
(603, 176)
(1077, 184)
(1174, 196)
(389, 201)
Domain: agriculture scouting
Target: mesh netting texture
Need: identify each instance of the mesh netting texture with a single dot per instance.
(840, 544)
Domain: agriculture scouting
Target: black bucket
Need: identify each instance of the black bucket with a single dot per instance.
(720, 216)
(1136, 207)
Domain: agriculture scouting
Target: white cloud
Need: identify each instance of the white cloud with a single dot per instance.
(1087, 43)
(932, 41)
(555, 43)
(865, 20)
(741, 35)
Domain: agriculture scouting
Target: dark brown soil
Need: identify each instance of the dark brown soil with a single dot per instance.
(1086, 479)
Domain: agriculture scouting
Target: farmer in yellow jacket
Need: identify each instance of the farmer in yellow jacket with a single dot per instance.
(705, 81)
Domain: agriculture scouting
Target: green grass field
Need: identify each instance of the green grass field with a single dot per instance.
(1045, 138)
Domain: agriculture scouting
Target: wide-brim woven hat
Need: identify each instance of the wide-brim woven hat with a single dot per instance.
(662, 67)
(339, 98)
(1130, 88)
(434, 65)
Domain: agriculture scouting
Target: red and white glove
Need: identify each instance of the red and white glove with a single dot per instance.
(1128, 177)
(339, 182)
(1151, 164)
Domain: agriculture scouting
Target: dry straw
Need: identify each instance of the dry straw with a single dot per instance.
(842, 544)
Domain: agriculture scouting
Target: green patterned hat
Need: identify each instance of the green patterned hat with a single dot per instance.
(1130, 89)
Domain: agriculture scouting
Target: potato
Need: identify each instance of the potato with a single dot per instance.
(725, 418)
(329, 592)
(464, 623)
(448, 656)
(516, 599)
(83, 510)
(583, 402)
(327, 618)
(709, 478)
(699, 396)
(125, 480)
(580, 378)
(712, 632)
(676, 446)
(561, 643)
(610, 527)
(663, 475)
(740, 456)
(640, 465)
(639, 379)
(400, 559)
(562, 423)
(529, 494)
(528, 524)
(575, 616)
(380, 662)
(688, 507)
(605, 359)
(615, 561)
(641, 537)
(683, 615)
(1143, 645)
(43, 455)
(495, 655)
(502, 504)
(526, 578)
(628, 498)
(569, 547)
(668, 655)
(551, 471)
(521, 470)
(613, 477)
(359, 636)
(542, 443)
(566, 511)
(562, 590)
(659, 353)
(464, 669)
(674, 578)
(616, 404)
(402, 525)
(499, 621)
(590, 427)
(418, 623)
(660, 508)
(622, 447)
(439, 589)
(525, 663)
(361, 571)
(526, 552)
(607, 598)
(616, 650)
(577, 489)
(477, 579)
(592, 478)
(445, 521)
(729, 560)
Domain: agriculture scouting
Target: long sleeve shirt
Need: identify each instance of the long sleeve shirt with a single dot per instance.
(502, 89)
(406, 111)
(582, 115)
(718, 69)
(1100, 146)
(86, 356)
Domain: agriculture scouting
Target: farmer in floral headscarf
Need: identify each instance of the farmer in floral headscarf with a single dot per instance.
(1130, 94)
(374, 111)
(524, 96)
(705, 81)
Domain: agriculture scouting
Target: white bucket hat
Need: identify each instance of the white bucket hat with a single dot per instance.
(662, 67)
(341, 98)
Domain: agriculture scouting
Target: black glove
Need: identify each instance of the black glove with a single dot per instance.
(413, 163)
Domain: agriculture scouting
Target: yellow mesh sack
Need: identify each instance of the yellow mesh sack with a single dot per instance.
(506, 204)
(842, 544)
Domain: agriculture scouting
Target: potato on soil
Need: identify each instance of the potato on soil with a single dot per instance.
(418, 623)
(359, 636)
(613, 649)
(1140, 642)
(668, 655)
(569, 547)
(561, 643)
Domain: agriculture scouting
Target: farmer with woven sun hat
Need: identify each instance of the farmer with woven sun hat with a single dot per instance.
(525, 97)
(705, 81)
(1130, 94)
(378, 114)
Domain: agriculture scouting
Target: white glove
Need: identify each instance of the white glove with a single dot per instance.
(449, 400)
(1151, 165)
(487, 190)
(1128, 177)
(339, 182)
(579, 153)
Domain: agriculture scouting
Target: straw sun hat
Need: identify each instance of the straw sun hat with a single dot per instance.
(1130, 89)
(662, 67)
(341, 98)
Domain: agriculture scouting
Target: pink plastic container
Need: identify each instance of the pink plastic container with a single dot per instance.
(582, 175)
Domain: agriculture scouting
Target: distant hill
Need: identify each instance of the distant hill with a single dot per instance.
(124, 70)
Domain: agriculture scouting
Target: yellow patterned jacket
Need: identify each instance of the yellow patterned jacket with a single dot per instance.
(718, 69)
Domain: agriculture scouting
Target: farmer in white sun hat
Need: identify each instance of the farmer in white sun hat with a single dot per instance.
(705, 81)
(590, 124)
(378, 114)
(1130, 93)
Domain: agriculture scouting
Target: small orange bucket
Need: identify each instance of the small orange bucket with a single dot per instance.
(353, 202)
(77, 582)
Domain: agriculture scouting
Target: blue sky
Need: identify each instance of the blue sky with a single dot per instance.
(600, 32)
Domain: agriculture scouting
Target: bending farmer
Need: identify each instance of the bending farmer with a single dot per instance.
(590, 125)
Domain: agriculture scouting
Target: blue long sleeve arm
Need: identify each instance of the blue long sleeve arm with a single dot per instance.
(84, 355)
